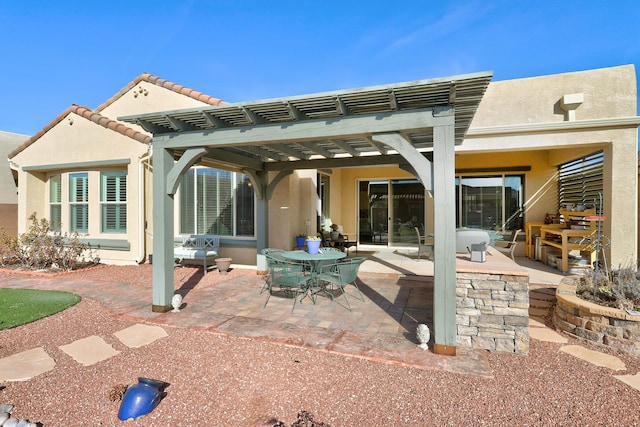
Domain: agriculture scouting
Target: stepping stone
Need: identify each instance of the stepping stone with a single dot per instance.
(25, 365)
(595, 357)
(89, 351)
(547, 335)
(632, 381)
(139, 335)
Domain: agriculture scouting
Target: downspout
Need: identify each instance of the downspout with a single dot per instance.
(142, 214)
(16, 168)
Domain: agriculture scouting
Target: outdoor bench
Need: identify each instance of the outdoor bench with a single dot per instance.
(198, 248)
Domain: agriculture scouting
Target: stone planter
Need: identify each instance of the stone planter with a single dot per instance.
(601, 325)
(223, 265)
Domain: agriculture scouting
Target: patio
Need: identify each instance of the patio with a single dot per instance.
(398, 292)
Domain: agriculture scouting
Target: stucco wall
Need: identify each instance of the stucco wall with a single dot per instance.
(519, 116)
(74, 142)
(9, 219)
(293, 202)
(526, 106)
(147, 97)
(77, 144)
(608, 92)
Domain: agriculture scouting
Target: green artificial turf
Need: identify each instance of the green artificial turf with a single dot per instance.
(20, 306)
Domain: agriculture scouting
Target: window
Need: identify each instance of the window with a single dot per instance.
(79, 202)
(113, 202)
(214, 201)
(55, 202)
(580, 181)
(490, 202)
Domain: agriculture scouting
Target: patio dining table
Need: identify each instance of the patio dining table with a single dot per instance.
(314, 261)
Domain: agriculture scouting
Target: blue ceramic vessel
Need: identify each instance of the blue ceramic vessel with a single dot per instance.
(141, 399)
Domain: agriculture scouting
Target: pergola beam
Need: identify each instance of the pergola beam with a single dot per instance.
(308, 130)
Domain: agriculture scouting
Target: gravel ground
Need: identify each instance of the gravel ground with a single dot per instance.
(228, 381)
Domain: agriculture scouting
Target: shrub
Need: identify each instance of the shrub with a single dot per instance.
(617, 288)
(41, 248)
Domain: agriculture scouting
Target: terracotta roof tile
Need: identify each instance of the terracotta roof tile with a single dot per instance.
(112, 124)
(150, 78)
(91, 115)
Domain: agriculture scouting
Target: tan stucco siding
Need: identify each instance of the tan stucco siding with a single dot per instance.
(79, 145)
(76, 140)
(34, 185)
(147, 98)
(620, 205)
(608, 92)
(9, 218)
(520, 116)
(293, 202)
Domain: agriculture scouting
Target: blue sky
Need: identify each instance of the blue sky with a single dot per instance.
(58, 53)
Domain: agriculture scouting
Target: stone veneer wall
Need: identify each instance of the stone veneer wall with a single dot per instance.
(492, 312)
(601, 325)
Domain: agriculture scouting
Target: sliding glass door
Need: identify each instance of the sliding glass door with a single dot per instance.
(389, 211)
(490, 202)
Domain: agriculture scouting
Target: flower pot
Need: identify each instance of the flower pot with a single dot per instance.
(300, 241)
(141, 399)
(313, 246)
(223, 265)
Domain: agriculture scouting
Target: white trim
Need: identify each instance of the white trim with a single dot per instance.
(526, 128)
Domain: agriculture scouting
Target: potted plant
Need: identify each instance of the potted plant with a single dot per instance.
(313, 244)
(300, 238)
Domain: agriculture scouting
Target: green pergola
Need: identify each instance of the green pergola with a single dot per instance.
(414, 125)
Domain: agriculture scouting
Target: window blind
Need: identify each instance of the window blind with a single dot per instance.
(113, 199)
(79, 202)
(214, 201)
(55, 202)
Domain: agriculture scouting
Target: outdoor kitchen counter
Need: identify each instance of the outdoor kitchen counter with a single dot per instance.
(497, 263)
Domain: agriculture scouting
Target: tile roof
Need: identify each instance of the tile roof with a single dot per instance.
(150, 78)
(108, 123)
(91, 115)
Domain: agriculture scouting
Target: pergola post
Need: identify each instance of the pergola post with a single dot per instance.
(163, 217)
(444, 293)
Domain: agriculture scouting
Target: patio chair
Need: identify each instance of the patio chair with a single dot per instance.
(275, 253)
(288, 276)
(341, 274)
(423, 247)
(266, 251)
(508, 247)
(325, 236)
(319, 264)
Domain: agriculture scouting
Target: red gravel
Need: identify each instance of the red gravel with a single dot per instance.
(222, 380)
